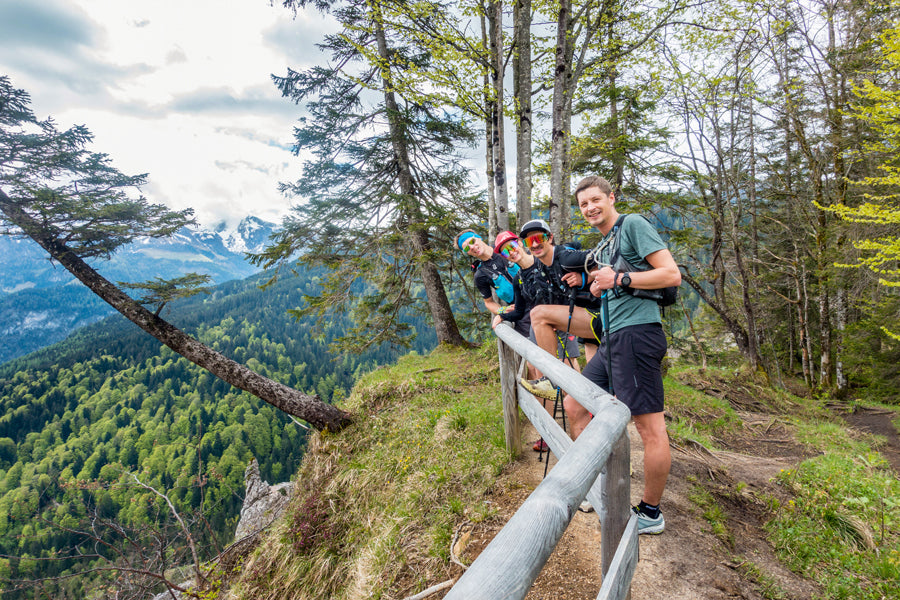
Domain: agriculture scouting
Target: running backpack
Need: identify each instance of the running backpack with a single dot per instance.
(501, 277)
(664, 297)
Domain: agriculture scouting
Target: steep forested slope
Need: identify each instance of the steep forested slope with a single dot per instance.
(80, 415)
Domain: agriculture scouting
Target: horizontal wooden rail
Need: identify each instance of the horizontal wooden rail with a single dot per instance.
(513, 560)
(617, 581)
(515, 557)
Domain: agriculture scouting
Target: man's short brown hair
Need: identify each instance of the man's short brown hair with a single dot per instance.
(593, 181)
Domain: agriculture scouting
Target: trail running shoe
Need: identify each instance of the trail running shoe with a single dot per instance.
(649, 524)
(586, 507)
(542, 388)
(541, 446)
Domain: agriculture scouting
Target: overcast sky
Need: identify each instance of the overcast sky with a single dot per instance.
(179, 89)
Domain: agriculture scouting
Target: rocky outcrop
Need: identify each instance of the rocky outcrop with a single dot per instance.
(263, 503)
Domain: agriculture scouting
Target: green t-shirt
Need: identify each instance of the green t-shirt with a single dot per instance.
(637, 240)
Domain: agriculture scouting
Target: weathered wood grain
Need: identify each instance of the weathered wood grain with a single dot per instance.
(511, 425)
(617, 581)
(513, 560)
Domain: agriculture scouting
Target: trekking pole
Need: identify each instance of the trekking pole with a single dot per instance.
(566, 350)
(605, 301)
(559, 406)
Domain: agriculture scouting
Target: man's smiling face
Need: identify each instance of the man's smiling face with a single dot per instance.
(597, 208)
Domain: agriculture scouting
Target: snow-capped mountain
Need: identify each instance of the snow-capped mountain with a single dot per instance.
(41, 303)
(252, 235)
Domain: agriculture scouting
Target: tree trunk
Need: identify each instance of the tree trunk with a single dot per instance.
(309, 408)
(495, 24)
(840, 379)
(559, 133)
(444, 322)
(617, 177)
(493, 225)
(733, 325)
(522, 93)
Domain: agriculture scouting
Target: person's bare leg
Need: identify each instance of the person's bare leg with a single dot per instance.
(546, 319)
(578, 416)
(657, 457)
(589, 351)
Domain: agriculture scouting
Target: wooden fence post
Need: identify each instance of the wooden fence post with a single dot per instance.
(509, 394)
(616, 486)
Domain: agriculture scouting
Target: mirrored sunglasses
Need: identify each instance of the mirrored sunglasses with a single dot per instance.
(537, 238)
(508, 247)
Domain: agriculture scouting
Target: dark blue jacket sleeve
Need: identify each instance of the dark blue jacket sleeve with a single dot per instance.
(519, 301)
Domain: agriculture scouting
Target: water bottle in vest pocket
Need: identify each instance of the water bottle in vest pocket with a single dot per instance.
(504, 288)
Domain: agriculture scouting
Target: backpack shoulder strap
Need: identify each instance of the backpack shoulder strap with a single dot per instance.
(614, 242)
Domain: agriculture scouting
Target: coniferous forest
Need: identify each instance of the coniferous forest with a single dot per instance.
(91, 424)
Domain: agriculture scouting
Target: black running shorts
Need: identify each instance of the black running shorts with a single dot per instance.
(637, 353)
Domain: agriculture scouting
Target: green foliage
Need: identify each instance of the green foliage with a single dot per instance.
(383, 185)
(70, 195)
(78, 415)
(712, 513)
(160, 292)
(391, 490)
(878, 106)
(842, 527)
(697, 417)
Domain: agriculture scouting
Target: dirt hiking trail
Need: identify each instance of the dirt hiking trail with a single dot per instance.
(689, 561)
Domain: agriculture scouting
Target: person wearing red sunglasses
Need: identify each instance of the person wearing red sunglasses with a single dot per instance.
(510, 246)
(550, 285)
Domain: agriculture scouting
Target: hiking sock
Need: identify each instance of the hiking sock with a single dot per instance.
(648, 509)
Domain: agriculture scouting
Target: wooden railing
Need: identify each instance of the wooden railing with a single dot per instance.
(596, 466)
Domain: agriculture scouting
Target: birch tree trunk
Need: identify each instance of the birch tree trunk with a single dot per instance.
(493, 224)
(522, 82)
(559, 129)
(495, 27)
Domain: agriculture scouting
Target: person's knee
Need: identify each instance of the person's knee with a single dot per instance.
(539, 315)
(573, 408)
(652, 429)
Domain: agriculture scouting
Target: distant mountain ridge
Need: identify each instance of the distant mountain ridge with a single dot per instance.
(41, 303)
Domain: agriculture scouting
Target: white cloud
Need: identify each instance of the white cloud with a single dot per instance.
(181, 90)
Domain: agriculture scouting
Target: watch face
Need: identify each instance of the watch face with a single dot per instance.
(626, 280)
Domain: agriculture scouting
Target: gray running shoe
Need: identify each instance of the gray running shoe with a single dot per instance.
(542, 388)
(649, 524)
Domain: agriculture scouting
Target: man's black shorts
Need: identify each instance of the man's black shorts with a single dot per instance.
(637, 353)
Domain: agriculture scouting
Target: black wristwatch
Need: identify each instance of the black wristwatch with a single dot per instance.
(626, 280)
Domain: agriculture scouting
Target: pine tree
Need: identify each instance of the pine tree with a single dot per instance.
(77, 206)
(383, 185)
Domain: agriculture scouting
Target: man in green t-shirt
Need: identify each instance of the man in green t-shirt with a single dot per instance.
(636, 344)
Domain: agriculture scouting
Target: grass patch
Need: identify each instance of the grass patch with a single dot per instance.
(696, 416)
(841, 528)
(712, 513)
(378, 503)
(765, 584)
